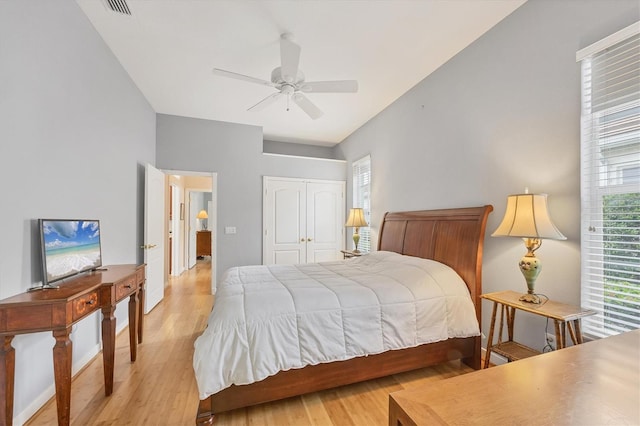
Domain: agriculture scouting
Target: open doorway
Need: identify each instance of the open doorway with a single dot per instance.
(200, 233)
(190, 193)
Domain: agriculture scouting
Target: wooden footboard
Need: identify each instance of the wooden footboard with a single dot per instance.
(318, 377)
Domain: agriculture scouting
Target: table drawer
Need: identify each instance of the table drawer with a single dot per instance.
(126, 287)
(84, 305)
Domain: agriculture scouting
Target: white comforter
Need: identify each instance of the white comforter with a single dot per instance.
(271, 318)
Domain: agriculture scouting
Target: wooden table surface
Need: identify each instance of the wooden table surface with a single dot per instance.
(549, 308)
(596, 383)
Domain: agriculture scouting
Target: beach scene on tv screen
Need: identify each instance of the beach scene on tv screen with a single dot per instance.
(70, 247)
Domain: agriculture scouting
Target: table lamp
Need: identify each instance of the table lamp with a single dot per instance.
(356, 220)
(527, 217)
(203, 216)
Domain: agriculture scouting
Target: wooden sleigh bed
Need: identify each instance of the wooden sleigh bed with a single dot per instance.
(454, 237)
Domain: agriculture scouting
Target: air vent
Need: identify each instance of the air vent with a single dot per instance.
(118, 6)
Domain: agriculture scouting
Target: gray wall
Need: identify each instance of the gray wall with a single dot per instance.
(502, 115)
(234, 152)
(288, 148)
(74, 132)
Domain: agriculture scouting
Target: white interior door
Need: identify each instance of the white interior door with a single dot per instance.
(325, 221)
(284, 222)
(154, 236)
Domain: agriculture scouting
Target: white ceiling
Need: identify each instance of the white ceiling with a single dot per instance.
(169, 48)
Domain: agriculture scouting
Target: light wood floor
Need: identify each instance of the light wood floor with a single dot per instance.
(160, 388)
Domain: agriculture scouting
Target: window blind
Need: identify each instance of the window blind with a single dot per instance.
(362, 198)
(610, 184)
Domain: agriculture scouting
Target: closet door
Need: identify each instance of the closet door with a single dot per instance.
(303, 220)
(325, 221)
(285, 239)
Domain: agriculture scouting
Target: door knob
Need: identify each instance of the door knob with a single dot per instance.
(309, 239)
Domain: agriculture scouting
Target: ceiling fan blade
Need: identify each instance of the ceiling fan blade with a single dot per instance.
(289, 58)
(265, 102)
(307, 106)
(338, 86)
(243, 77)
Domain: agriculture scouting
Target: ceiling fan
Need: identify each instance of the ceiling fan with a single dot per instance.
(288, 80)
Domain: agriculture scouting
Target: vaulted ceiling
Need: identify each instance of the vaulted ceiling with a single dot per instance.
(169, 48)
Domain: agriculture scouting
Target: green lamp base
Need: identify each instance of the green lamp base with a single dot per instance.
(356, 240)
(530, 267)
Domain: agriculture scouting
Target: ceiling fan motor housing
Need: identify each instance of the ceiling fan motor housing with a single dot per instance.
(278, 78)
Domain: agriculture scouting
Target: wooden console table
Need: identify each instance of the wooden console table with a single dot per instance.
(56, 310)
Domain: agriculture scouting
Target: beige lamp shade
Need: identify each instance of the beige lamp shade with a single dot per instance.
(527, 216)
(356, 218)
(202, 214)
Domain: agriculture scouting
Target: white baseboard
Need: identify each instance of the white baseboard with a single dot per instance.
(38, 402)
(35, 405)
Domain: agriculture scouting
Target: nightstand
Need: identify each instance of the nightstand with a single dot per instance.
(564, 317)
(348, 254)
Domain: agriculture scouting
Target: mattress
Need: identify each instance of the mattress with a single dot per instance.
(271, 318)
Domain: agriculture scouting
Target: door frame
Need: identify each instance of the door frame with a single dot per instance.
(191, 214)
(211, 222)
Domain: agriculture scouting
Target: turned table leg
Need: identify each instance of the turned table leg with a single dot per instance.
(62, 353)
(7, 373)
(133, 326)
(108, 346)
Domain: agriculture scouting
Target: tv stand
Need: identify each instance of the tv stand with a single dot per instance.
(57, 311)
(49, 286)
(43, 287)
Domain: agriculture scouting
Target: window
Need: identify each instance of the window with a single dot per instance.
(610, 179)
(362, 198)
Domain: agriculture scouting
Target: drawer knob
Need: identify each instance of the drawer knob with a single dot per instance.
(90, 302)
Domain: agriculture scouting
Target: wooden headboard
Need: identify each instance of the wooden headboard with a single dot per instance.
(454, 237)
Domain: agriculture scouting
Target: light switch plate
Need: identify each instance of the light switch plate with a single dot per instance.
(229, 229)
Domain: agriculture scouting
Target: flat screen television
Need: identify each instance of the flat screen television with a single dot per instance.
(68, 247)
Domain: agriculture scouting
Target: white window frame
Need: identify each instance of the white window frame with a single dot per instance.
(362, 198)
(601, 176)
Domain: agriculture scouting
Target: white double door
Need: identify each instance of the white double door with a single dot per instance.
(303, 220)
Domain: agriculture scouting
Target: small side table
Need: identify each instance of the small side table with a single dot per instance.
(564, 317)
(348, 254)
